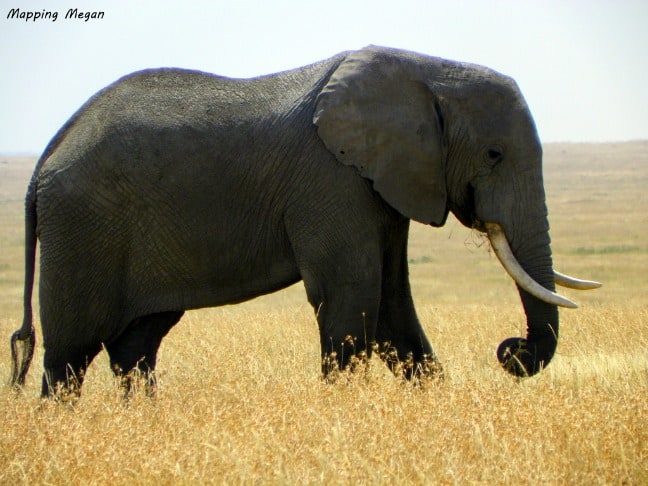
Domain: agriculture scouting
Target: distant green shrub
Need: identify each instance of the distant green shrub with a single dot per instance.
(609, 250)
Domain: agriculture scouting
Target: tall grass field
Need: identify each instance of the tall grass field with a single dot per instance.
(241, 401)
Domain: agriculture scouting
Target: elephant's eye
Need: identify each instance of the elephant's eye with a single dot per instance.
(494, 155)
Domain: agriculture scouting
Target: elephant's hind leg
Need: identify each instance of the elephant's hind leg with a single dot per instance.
(134, 352)
(64, 375)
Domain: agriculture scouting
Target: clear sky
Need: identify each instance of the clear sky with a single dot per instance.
(581, 64)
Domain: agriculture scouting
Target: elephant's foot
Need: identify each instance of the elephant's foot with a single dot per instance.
(415, 369)
(427, 367)
(63, 385)
(347, 360)
(136, 379)
(331, 368)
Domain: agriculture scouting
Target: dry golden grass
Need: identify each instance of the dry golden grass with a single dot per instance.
(240, 398)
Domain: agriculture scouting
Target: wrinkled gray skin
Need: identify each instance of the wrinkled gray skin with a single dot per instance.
(172, 190)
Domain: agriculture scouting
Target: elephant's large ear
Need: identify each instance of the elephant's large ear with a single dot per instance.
(377, 114)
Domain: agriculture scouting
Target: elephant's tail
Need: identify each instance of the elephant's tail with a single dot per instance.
(24, 339)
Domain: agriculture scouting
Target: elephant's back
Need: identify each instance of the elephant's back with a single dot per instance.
(152, 111)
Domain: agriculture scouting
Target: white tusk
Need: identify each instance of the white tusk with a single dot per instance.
(503, 251)
(574, 283)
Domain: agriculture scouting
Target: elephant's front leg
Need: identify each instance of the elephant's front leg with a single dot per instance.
(402, 344)
(347, 321)
(401, 341)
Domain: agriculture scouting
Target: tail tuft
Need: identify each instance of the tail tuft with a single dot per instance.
(23, 346)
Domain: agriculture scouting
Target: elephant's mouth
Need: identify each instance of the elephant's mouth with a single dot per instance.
(462, 205)
(479, 226)
(522, 278)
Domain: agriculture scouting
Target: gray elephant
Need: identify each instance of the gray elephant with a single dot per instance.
(172, 190)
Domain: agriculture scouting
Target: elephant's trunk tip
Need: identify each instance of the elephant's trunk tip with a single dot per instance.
(524, 358)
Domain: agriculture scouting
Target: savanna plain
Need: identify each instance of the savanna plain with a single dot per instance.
(241, 401)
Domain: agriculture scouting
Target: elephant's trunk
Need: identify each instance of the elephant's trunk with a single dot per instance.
(535, 280)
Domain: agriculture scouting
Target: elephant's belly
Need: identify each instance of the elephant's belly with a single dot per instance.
(216, 284)
(248, 284)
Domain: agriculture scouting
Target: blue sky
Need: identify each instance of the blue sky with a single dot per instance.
(582, 65)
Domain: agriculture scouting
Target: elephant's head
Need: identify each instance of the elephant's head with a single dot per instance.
(436, 136)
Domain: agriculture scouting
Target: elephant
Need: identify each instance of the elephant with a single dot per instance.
(173, 189)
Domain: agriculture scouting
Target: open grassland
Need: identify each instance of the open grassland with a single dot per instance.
(241, 401)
